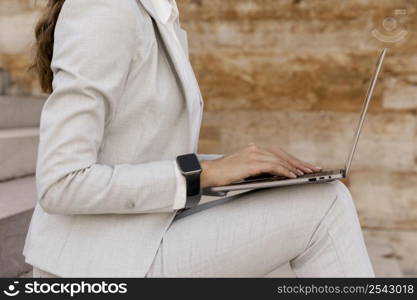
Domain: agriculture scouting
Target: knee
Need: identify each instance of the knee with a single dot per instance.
(342, 192)
(332, 198)
(343, 198)
(333, 193)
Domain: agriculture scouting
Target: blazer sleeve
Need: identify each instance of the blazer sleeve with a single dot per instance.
(95, 43)
(181, 193)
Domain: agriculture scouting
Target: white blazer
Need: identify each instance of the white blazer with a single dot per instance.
(118, 116)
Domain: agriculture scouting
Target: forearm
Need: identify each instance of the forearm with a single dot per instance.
(102, 189)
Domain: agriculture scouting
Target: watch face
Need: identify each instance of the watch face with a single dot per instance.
(188, 163)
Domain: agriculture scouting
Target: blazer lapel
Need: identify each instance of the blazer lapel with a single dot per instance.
(190, 89)
(149, 8)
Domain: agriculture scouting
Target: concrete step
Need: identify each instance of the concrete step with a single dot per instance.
(18, 152)
(384, 262)
(20, 112)
(17, 200)
(402, 249)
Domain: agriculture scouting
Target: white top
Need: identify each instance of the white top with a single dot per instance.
(167, 13)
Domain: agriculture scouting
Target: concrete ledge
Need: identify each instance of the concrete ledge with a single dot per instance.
(18, 152)
(17, 196)
(20, 112)
(13, 232)
(17, 200)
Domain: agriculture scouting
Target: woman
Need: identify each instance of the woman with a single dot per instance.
(124, 108)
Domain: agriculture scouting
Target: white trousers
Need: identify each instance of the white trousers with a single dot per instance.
(314, 227)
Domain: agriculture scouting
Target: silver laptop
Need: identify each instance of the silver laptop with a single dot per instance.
(268, 180)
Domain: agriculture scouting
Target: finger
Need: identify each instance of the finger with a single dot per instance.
(291, 168)
(282, 170)
(274, 168)
(270, 157)
(306, 167)
(310, 166)
(303, 163)
(300, 170)
(284, 156)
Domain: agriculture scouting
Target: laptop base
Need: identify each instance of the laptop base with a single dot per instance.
(275, 181)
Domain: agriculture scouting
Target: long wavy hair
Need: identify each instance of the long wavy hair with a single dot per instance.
(44, 33)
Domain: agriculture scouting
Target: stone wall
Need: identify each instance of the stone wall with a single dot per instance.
(17, 19)
(292, 73)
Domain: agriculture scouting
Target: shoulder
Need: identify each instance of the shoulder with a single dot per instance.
(117, 5)
(94, 25)
(117, 18)
(124, 11)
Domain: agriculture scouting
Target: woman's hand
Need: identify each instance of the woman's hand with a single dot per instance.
(250, 161)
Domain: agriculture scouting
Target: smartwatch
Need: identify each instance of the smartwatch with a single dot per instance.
(190, 168)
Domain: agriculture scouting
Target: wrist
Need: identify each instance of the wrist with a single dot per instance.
(205, 176)
(191, 169)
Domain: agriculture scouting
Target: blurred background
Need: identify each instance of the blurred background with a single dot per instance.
(290, 73)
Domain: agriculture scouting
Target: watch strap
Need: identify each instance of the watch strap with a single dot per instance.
(193, 190)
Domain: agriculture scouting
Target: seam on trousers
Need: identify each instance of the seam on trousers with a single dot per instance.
(323, 223)
(335, 250)
(162, 267)
(157, 266)
(159, 245)
(318, 225)
(279, 266)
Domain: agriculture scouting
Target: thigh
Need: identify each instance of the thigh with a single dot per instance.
(249, 234)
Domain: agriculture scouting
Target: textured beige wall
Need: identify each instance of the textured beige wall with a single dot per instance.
(17, 19)
(292, 73)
